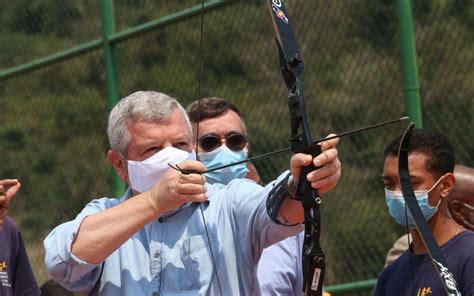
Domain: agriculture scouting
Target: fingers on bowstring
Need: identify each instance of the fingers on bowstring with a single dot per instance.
(196, 197)
(195, 178)
(191, 188)
(193, 192)
(191, 184)
(192, 166)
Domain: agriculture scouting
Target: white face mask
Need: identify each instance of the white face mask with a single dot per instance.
(143, 175)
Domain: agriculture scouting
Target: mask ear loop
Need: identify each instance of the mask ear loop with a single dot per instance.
(432, 187)
(435, 184)
(437, 205)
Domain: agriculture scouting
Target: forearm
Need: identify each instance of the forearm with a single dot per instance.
(101, 234)
(292, 211)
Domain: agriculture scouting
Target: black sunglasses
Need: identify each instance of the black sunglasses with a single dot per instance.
(235, 142)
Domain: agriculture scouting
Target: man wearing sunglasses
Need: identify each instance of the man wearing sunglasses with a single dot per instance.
(172, 233)
(222, 140)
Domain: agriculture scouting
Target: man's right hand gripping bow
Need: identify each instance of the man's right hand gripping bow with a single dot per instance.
(323, 179)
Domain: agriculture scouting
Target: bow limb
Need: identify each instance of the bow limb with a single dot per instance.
(292, 67)
(429, 241)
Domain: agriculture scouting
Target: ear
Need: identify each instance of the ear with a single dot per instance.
(454, 208)
(119, 164)
(248, 149)
(447, 185)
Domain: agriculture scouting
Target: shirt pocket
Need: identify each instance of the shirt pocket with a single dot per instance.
(197, 262)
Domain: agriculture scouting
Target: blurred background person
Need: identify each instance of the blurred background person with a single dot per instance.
(461, 200)
(16, 275)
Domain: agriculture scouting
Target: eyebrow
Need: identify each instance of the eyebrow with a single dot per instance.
(412, 178)
(235, 132)
(225, 135)
(208, 134)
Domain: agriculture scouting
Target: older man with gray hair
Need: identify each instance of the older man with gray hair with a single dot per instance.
(172, 233)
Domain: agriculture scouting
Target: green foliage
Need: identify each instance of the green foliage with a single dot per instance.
(40, 17)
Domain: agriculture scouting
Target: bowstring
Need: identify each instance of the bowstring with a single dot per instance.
(201, 58)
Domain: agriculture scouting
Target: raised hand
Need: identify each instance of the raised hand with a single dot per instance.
(329, 167)
(8, 190)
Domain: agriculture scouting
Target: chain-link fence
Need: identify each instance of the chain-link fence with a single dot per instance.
(53, 120)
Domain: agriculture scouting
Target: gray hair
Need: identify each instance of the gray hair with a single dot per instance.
(141, 106)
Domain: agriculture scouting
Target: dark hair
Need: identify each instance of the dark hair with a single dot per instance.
(437, 148)
(209, 108)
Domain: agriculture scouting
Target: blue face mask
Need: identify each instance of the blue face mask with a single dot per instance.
(396, 206)
(222, 156)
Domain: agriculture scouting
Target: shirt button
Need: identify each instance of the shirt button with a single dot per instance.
(155, 294)
(160, 220)
(157, 255)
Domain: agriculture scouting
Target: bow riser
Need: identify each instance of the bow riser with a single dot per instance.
(292, 67)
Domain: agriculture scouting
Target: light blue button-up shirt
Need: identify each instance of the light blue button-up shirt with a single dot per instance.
(171, 256)
(286, 277)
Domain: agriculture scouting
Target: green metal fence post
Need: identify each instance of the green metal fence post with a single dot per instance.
(108, 28)
(411, 86)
